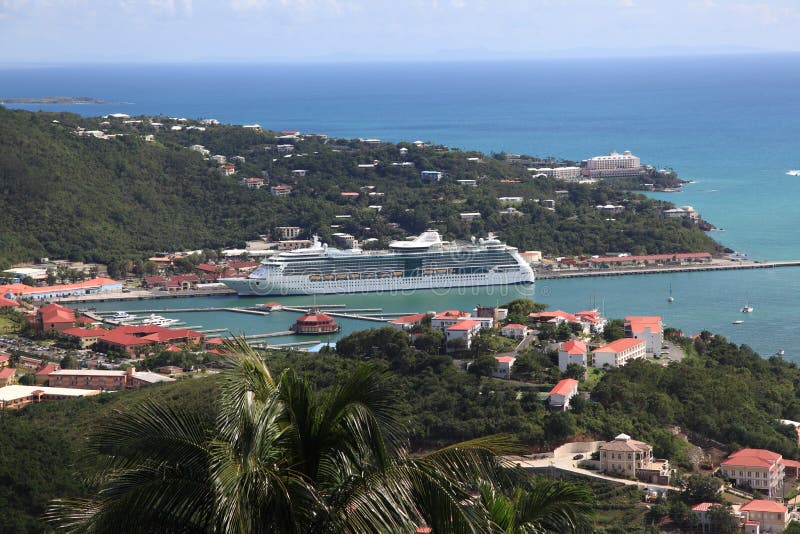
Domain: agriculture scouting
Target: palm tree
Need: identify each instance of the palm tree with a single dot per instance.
(279, 457)
(546, 505)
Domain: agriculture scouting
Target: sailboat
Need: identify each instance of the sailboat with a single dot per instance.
(747, 308)
(670, 298)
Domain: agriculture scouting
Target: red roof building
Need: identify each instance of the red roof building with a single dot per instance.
(315, 322)
(42, 375)
(54, 318)
(407, 322)
(759, 469)
(7, 376)
(8, 303)
(560, 396)
(652, 258)
(572, 352)
(619, 352)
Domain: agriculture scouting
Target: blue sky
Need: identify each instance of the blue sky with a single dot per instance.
(87, 31)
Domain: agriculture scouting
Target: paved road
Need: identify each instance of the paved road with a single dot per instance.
(566, 463)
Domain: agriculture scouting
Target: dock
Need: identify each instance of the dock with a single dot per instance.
(731, 266)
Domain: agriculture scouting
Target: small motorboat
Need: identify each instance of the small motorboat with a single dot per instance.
(738, 321)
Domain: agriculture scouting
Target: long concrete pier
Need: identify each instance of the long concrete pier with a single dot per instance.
(731, 266)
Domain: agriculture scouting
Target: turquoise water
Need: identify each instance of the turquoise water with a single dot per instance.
(732, 124)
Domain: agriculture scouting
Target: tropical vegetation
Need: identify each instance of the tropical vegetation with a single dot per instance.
(281, 457)
(125, 198)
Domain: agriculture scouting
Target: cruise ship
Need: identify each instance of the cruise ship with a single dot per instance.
(424, 262)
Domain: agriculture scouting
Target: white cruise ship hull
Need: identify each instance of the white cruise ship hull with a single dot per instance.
(302, 285)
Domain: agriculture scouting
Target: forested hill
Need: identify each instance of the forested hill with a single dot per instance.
(97, 199)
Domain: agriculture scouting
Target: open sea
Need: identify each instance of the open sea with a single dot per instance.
(730, 123)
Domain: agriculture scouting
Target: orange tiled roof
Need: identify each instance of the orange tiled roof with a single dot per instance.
(752, 458)
(466, 324)
(620, 345)
(574, 346)
(762, 505)
(564, 387)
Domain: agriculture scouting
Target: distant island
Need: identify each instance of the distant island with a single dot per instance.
(58, 100)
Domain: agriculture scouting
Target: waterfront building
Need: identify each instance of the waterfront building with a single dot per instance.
(627, 457)
(648, 329)
(407, 322)
(759, 469)
(17, 396)
(613, 165)
(87, 287)
(618, 353)
(683, 212)
(627, 260)
(315, 322)
(562, 393)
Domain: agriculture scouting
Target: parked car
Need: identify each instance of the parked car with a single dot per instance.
(578, 457)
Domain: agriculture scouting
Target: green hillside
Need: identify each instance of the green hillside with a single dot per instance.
(85, 198)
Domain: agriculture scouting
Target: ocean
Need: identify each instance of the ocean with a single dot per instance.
(730, 123)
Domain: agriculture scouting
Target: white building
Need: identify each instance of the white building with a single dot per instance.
(514, 331)
(431, 176)
(468, 183)
(615, 164)
(510, 200)
(648, 329)
(462, 331)
(572, 352)
(504, 365)
(219, 158)
(281, 190)
(288, 232)
(567, 174)
(469, 217)
(284, 149)
(253, 183)
(610, 209)
(760, 469)
(444, 320)
(618, 353)
(201, 149)
(562, 393)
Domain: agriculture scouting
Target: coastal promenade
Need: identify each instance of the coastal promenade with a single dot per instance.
(716, 265)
